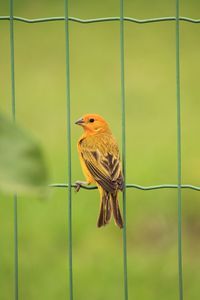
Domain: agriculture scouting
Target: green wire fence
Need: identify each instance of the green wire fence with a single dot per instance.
(14, 119)
(121, 19)
(68, 111)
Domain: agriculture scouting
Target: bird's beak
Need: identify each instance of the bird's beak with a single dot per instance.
(79, 122)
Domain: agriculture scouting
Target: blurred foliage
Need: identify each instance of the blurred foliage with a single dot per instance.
(22, 166)
(151, 150)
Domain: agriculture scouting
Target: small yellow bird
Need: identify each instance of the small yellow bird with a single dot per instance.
(100, 162)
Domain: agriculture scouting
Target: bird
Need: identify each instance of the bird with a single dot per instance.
(100, 161)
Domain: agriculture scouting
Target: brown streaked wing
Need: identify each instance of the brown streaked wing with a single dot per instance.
(106, 170)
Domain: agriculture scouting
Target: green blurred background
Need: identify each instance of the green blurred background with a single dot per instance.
(151, 150)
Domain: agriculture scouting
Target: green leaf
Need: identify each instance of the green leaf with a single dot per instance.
(22, 165)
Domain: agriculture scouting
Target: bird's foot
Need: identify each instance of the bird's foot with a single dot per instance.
(79, 184)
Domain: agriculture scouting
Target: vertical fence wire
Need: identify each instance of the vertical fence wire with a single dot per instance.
(16, 291)
(12, 66)
(123, 117)
(68, 111)
(178, 103)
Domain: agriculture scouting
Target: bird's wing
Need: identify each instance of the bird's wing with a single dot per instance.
(105, 168)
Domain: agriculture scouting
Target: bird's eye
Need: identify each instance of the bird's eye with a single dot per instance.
(91, 120)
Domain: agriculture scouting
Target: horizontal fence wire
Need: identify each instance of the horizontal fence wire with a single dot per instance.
(99, 20)
(133, 186)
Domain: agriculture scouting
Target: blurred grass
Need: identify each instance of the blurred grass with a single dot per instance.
(151, 150)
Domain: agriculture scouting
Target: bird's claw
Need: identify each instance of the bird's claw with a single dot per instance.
(78, 185)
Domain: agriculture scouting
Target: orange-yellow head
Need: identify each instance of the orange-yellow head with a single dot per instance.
(93, 124)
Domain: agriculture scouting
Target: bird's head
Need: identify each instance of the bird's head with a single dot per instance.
(93, 124)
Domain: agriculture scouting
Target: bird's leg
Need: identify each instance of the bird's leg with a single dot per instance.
(79, 184)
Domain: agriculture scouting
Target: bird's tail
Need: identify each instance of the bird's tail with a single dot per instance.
(109, 203)
(116, 210)
(105, 209)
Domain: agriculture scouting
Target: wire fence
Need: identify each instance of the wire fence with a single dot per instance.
(121, 19)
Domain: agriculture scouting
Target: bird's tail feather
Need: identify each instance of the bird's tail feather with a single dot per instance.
(105, 210)
(116, 210)
(109, 203)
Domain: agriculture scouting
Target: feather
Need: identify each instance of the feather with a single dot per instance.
(104, 166)
(100, 161)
